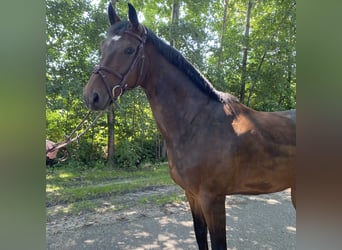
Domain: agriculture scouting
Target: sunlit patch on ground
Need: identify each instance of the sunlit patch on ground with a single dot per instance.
(52, 188)
(268, 201)
(89, 242)
(65, 175)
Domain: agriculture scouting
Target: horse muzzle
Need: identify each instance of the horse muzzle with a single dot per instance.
(95, 98)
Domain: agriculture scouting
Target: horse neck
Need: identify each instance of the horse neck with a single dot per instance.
(175, 100)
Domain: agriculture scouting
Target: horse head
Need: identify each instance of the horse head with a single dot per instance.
(122, 61)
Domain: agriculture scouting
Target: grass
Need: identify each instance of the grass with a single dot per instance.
(73, 190)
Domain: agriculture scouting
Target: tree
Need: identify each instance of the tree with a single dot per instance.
(245, 52)
(174, 22)
(223, 31)
(111, 135)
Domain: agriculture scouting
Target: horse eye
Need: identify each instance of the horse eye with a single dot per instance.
(129, 51)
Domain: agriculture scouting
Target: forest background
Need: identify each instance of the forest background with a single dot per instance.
(244, 47)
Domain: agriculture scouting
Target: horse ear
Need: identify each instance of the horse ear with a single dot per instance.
(132, 15)
(113, 17)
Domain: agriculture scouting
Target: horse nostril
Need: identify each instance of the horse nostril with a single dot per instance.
(96, 98)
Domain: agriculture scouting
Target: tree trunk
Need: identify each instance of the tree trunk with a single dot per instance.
(255, 78)
(164, 150)
(111, 138)
(223, 31)
(245, 53)
(174, 23)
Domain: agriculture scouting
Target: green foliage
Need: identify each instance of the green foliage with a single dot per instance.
(75, 29)
(128, 154)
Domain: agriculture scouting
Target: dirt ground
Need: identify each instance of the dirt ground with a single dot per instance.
(253, 222)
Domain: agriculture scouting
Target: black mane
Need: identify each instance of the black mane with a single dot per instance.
(177, 59)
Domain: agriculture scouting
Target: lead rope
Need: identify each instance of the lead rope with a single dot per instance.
(68, 137)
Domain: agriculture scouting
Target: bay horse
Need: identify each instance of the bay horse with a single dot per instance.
(216, 146)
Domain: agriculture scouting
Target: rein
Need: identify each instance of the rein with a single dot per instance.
(122, 85)
(69, 138)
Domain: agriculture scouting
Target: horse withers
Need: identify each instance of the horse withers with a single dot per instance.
(216, 146)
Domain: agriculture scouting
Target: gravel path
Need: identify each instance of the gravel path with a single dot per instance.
(253, 222)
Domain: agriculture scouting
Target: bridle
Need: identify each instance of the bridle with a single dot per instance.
(119, 88)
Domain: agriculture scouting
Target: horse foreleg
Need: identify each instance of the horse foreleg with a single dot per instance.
(213, 208)
(200, 225)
